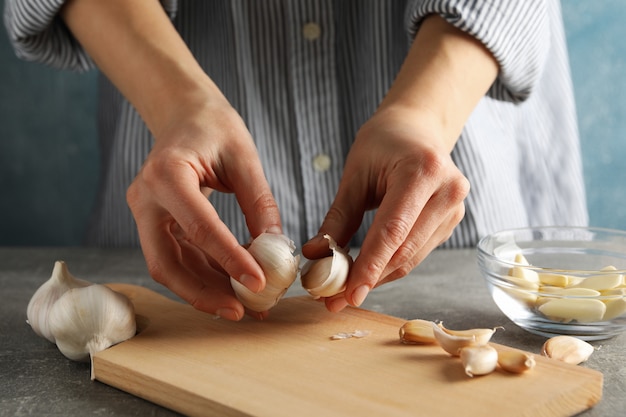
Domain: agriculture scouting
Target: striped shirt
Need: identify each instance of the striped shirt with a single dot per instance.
(306, 74)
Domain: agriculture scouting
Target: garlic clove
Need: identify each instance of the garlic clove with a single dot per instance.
(452, 341)
(568, 309)
(417, 332)
(481, 336)
(567, 349)
(479, 360)
(47, 294)
(516, 361)
(327, 276)
(274, 253)
(87, 320)
(602, 282)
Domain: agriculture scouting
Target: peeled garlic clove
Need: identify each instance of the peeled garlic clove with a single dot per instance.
(274, 253)
(516, 361)
(554, 280)
(326, 277)
(479, 360)
(567, 349)
(47, 294)
(568, 309)
(87, 320)
(615, 300)
(602, 282)
(452, 341)
(417, 332)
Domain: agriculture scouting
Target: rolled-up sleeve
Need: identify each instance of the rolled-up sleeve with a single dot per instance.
(516, 33)
(37, 33)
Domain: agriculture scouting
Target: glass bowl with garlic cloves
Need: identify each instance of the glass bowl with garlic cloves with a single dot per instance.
(558, 280)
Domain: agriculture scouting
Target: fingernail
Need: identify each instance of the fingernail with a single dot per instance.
(275, 229)
(228, 314)
(250, 283)
(337, 305)
(358, 295)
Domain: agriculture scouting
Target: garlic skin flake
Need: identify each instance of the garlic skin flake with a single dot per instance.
(327, 276)
(47, 294)
(274, 253)
(87, 320)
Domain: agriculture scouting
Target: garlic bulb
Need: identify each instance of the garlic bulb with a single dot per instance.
(47, 294)
(274, 253)
(327, 276)
(89, 319)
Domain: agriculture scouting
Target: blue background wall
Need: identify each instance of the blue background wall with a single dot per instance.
(49, 155)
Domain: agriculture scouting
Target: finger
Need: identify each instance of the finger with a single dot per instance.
(392, 224)
(164, 258)
(435, 224)
(401, 264)
(255, 198)
(180, 196)
(341, 221)
(182, 240)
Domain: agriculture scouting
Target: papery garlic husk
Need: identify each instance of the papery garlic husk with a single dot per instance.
(452, 341)
(47, 294)
(87, 320)
(567, 349)
(274, 253)
(327, 276)
(516, 361)
(418, 332)
(479, 360)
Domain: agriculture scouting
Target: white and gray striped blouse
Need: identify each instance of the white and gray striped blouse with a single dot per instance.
(305, 74)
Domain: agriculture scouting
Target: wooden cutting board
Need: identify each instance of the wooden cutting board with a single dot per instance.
(288, 365)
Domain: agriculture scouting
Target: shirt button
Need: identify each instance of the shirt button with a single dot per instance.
(311, 31)
(321, 162)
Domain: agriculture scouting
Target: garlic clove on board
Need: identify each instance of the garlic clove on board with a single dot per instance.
(417, 331)
(567, 349)
(327, 276)
(274, 253)
(479, 360)
(87, 320)
(452, 341)
(47, 294)
(516, 361)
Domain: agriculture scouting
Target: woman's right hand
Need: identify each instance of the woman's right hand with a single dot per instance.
(201, 145)
(186, 246)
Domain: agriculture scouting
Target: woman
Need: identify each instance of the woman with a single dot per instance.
(366, 120)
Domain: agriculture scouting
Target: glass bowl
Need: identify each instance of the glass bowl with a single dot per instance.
(558, 280)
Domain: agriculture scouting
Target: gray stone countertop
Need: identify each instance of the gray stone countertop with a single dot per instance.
(36, 380)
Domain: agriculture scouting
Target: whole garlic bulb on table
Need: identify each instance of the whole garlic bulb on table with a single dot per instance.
(81, 318)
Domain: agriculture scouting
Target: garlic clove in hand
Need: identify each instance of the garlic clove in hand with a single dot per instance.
(327, 276)
(47, 294)
(89, 319)
(274, 253)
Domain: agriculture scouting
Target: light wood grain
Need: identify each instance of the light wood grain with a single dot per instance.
(287, 365)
